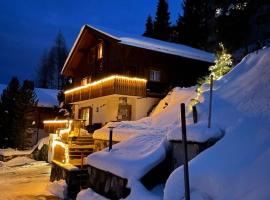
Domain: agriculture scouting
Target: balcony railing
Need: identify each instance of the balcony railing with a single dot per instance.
(111, 85)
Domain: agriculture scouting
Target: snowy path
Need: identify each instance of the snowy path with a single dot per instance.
(25, 181)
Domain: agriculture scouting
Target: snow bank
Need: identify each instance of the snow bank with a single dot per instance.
(164, 118)
(237, 167)
(138, 192)
(19, 161)
(15, 152)
(89, 194)
(58, 188)
(198, 132)
(133, 158)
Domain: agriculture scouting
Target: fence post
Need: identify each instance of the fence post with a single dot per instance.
(210, 101)
(184, 141)
(81, 159)
(110, 137)
(195, 114)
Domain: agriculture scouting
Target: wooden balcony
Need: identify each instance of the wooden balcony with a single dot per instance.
(112, 85)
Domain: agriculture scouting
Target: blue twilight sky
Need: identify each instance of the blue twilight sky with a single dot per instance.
(28, 27)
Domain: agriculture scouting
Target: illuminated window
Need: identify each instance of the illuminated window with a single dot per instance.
(154, 75)
(100, 51)
(84, 115)
(85, 81)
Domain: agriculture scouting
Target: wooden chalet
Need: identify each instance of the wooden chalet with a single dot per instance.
(117, 76)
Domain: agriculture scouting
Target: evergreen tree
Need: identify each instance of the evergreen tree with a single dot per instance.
(149, 29)
(49, 70)
(61, 53)
(162, 21)
(233, 23)
(223, 63)
(45, 78)
(24, 115)
(195, 26)
(17, 114)
(9, 97)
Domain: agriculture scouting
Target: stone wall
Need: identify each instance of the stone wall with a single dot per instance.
(107, 184)
(76, 179)
(193, 149)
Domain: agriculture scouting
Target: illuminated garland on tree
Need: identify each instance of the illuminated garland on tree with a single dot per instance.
(222, 65)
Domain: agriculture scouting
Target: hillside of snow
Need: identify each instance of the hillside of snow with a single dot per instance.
(237, 167)
(164, 119)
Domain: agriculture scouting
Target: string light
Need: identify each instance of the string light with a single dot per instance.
(64, 146)
(57, 121)
(105, 80)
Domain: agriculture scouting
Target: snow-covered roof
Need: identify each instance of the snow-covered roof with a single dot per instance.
(46, 97)
(156, 45)
(148, 43)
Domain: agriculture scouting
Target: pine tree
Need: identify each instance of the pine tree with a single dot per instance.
(8, 110)
(233, 23)
(162, 21)
(25, 114)
(49, 70)
(149, 29)
(195, 26)
(17, 114)
(45, 71)
(61, 53)
(222, 65)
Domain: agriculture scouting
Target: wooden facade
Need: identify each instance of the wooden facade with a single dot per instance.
(97, 55)
(113, 86)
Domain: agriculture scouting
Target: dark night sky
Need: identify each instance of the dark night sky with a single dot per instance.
(28, 27)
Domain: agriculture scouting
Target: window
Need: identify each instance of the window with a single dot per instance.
(154, 75)
(100, 51)
(85, 81)
(84, 115)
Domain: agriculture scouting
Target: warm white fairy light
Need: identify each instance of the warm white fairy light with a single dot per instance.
(63, 145)
(57, 121)
(105, 80)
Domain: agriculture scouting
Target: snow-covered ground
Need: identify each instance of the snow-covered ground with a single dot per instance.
(163, 120)
(15, 152)
(237, 167)
(25, 179)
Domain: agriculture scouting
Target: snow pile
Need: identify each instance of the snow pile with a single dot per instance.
(237, 167)
(19, 161)
(58, 188)
(42, 142)
(165, 117)
(144, 142)
(15, 152)
(140, 192)
(133, 158)
(89, 194)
